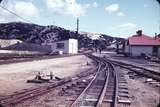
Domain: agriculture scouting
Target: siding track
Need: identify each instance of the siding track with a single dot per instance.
(104, 90)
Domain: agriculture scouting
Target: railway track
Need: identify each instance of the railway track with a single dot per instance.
(12, 100)
(92, 93)
(19, 97)
(107, 89)
(139, 70)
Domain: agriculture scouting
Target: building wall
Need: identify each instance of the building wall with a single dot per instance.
(73, 46)
(65, 49)
(138, 50)
(70, 46)
(159, 52)
(126, 49)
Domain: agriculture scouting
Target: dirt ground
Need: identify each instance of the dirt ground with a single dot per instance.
(13, 76)
(142, 94)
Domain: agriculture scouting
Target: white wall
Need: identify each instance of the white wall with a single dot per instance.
(73, 46)
(65, 49)
(70, 46)
(137, 50)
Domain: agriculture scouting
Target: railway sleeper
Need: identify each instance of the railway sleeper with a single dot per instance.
(122, 82)
(92, 94)
(97, 87)
(123, 91)
(123, 95)
(86, 106)
(109, 96)
(124, 101)
(89, 102)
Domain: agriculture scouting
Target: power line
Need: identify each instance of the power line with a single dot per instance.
(15, 14)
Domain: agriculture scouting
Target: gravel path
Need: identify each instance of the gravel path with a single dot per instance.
(13, 76)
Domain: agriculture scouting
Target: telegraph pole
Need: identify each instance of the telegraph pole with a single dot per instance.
(77, 26)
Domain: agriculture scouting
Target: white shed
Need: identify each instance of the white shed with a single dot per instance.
(69, 46)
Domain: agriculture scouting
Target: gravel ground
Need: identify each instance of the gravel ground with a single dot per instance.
(142, 94)
(13, 76)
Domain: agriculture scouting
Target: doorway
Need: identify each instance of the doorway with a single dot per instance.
(155, 50)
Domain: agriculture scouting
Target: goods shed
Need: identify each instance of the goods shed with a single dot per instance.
(141, 44)
(69, 46)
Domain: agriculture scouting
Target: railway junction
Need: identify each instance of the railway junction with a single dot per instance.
(101, 83)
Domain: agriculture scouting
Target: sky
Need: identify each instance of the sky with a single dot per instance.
(119, 18)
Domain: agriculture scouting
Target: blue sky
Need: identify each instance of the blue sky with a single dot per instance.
(120, 18)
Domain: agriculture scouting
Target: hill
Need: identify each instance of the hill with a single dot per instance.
(37, 34)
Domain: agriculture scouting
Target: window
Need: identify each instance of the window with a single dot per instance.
(60, 45)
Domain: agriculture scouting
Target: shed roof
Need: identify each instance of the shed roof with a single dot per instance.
(158, 38)
(143, 40)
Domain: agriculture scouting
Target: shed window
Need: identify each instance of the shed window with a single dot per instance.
(60, 45)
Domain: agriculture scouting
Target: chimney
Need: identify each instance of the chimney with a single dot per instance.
(139, 32)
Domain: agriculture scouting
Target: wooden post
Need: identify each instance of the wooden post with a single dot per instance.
(51, 76)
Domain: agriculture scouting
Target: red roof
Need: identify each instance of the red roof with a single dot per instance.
(158, 38)
(143, 40)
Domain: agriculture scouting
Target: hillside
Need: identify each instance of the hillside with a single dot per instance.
(32, 33)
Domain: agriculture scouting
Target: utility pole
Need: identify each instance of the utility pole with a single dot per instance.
(77, 25)
(77, 31)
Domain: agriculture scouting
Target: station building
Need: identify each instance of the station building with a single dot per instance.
(69, 46)
(140, 44)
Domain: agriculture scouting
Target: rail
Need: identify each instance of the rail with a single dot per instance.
(106, 68)
(83, 92)
(137, 69)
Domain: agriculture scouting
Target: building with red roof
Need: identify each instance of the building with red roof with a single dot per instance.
(140, 44)
(158, 37)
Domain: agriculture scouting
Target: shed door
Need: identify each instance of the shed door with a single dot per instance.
(155, 50)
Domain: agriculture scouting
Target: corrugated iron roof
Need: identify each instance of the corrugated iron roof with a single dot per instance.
(143, 40)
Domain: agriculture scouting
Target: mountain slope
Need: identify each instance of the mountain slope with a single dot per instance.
(32, 33)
